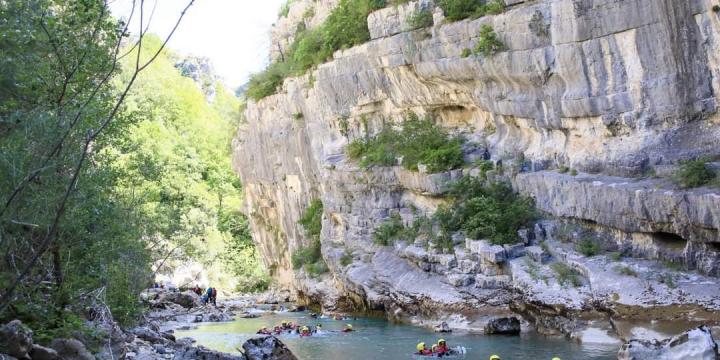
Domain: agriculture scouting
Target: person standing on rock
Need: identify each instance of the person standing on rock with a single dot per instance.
(213, 296)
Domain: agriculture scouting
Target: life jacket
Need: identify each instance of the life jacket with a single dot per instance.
(442, 349)
(425, 352)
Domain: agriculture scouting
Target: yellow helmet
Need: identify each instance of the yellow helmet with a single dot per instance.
(420, 346)
(349, 326)
(494, 357)
(556, 358)
(441, 341)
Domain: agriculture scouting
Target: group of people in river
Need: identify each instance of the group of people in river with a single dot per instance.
(289, 327)
(210, 296)
(439, 349)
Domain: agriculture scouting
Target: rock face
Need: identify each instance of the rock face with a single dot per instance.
(582, 84)
(267, 348)
(693, 344)
(15, 339)
(503, 326)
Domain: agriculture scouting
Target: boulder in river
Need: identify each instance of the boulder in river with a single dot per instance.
(696, 344)
(503, 326)
(267, 348)
(15, 339)
(442, 328)
(186, 299)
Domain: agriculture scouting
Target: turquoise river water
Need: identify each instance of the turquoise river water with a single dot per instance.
(379, 339)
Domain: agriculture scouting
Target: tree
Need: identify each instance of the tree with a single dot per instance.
(58, 107)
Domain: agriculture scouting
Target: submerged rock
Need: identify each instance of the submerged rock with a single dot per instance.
(696, 344)
(15, 339)
(194, 353)
(267, 348)
(503, 326)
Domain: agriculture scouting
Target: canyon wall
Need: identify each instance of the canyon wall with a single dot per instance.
(617, 90)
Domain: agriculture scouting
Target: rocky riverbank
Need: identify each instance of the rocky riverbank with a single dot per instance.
(152, 338)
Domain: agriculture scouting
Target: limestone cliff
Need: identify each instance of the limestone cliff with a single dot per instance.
(613, 89)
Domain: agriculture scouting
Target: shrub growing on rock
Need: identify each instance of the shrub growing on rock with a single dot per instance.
(455, 10)
(566, 275)
(389, 231)
(419, 141)
(488, 43)
(311, 219)
(420, 19)
(694, 173)
(491, 211)
(346, 26)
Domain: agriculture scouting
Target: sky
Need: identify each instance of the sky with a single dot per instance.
(234, 34)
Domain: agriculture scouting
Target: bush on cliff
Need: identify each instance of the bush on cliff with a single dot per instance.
(311, 219)
(488, 44)
(389, 231)
(345, 27)
(455, 10)
(418, 141)
(310, 257)
(490, 211)
(419, 19)
(694, 173)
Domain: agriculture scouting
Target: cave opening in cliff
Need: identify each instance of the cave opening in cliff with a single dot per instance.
(670, 241)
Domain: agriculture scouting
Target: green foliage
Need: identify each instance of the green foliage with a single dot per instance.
(490, 211)
(455, 10)
(588, 247)
(297, 116)
(566, 275)
(156, 186)
(309, 13)
(311, 219)
(625, 270)
(694, 173)
(716, 8)
(52, 95)
(488, 44)
(668, 279)
(310, 259)
(615, 255)
(285, 8)
(419, 141)
(419, 19)
(563, 169)
(346, 259)
(573, 172)
(267, 82)
(389, 231)
(377, 4)
(466, 53)
(346, 26)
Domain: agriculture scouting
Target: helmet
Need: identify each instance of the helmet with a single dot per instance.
(420, 346)
(349, 326)
(434, 346)
(441, 341)
(305, 328)
(556, 358)
(494, 357)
